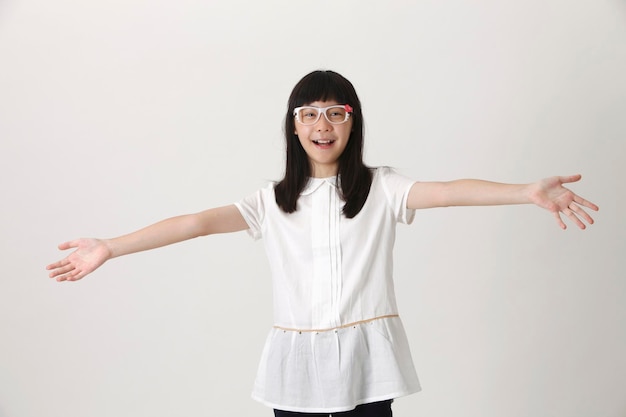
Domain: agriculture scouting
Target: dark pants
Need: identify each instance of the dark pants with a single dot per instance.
(378, 409)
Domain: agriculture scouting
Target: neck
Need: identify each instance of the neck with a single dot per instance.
(324, 171)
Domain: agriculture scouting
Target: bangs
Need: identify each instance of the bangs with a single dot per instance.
(321, 86)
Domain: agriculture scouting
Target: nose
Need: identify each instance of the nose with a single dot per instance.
(323, 125)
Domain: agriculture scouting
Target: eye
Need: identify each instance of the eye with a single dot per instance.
(308, 114)
(336, 114)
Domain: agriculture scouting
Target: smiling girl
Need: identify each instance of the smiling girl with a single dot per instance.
(337, 345)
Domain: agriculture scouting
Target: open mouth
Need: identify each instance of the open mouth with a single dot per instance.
(323, 142)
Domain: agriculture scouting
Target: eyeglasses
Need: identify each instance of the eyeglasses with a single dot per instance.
(337, 114)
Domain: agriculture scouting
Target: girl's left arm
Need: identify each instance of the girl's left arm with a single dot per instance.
(548, 193)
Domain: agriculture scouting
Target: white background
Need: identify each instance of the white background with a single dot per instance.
(116, 114)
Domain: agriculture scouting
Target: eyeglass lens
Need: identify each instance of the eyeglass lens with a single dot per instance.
(310, 115)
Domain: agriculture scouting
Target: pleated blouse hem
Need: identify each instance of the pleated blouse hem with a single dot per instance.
(336, 409)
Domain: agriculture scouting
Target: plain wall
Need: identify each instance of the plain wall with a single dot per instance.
(116, 114)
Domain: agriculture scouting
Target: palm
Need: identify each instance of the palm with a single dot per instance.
(88, 256)
(551, 195)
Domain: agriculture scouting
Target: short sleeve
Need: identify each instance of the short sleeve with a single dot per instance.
(253, 207)
(397, 189)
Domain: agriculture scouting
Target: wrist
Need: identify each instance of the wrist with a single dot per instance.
(526, 193)
(110, 246)
(531, 192)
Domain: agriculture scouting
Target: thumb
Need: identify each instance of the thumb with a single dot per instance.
(570, 178)
(68, 245)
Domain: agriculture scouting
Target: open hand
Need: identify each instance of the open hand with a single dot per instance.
(89, 255)
(551, 195)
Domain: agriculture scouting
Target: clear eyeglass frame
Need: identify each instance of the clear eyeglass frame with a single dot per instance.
(343, 113)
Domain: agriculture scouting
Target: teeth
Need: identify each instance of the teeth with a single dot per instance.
(323, 142)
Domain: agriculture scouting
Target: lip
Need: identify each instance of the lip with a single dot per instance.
(323, 142)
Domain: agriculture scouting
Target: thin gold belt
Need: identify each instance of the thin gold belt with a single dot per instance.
(287, 329)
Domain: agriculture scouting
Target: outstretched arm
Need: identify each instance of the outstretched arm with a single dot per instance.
(92, 253)
(548, 193)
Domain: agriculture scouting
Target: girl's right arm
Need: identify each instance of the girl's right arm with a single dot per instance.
(92, 253)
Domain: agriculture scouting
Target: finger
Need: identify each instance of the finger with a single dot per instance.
(59, 272)
(580, 212)
(576, 220)
(59, 268)
(60, 278)
(64, 270)
(572, 216)
(570, 178)
(76, 275)
(58, 264)
(559, 221)
(70, 276)
(583, 202)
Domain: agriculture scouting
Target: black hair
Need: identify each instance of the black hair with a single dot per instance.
(353, 176)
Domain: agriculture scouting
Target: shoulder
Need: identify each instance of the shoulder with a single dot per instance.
(390, 177)
(394, 188)
(261, 196)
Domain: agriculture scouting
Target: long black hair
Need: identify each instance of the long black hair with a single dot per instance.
(353, 176)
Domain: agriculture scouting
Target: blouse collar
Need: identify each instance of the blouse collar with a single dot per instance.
(315, 183)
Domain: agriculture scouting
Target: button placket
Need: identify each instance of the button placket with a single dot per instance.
(326, 292)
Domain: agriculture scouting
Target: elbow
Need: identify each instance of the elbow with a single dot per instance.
(206, 223)
(197, 226)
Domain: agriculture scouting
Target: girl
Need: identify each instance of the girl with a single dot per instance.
(337, 346)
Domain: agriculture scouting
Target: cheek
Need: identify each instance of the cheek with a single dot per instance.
(299, 131)
(347, 129)
(303, 133)
(347, 132)
(302, 139)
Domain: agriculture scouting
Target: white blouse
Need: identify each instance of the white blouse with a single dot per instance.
(337, 339)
